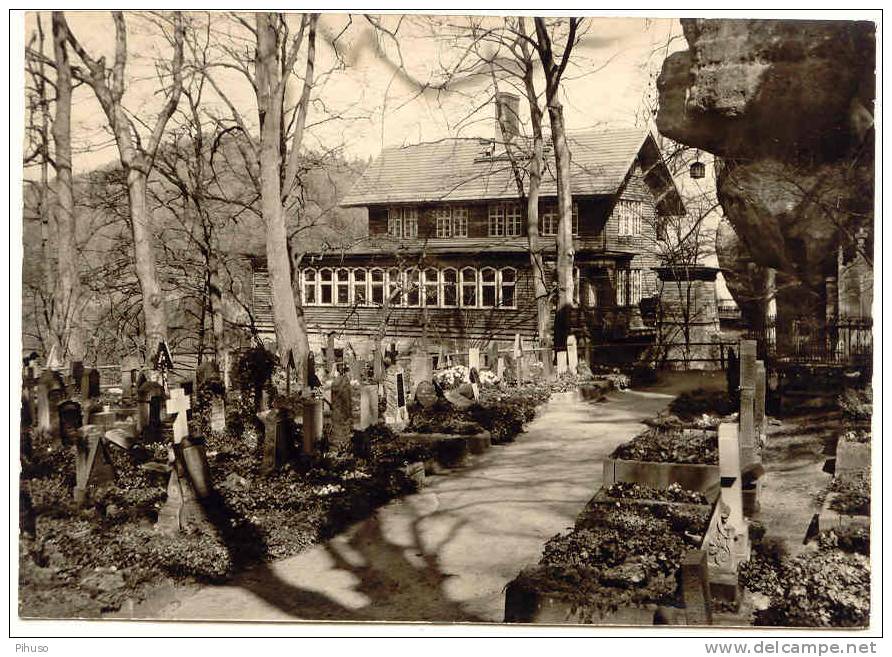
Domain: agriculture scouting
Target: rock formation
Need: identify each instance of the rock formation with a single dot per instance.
(787, 108)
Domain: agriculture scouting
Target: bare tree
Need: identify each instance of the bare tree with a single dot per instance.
(554, 64)
(137, 156)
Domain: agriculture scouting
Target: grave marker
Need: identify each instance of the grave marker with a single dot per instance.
(50, 392)
(395, 396)
(178, 405)
(420, 369)
(77, 373)
(70, 421)
(368, 405)
(500, 367)
(277, 439)
(93, 466)
(311, 430)
(330, 360)
(181, 508)
(732, 490)
(547, 363)
(473, 359)
(474, 376)
(572, 354)
(426, 394)
(562, 364)
(759, 399)
(150, 410)
(341, 409)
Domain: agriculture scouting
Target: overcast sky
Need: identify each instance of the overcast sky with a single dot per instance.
(377, 104)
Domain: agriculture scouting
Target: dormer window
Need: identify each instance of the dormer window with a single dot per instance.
(402, 222)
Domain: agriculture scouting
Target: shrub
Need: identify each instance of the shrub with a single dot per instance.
(853, 538)
(674, 493)
(852, 494)
(856, 405)
(823, 589)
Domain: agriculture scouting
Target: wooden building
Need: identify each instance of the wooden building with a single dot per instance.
(446, 260)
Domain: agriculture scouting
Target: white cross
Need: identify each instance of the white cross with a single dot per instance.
(177, 405)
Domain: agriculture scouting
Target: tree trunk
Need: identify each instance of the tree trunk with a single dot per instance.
(564, 238)
(68, 309)
(537, 266)
(291, 335)
(154, 309)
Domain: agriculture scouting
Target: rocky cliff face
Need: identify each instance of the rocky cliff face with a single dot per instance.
(787, 106)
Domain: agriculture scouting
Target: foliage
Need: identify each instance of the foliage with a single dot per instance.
(824, 589)
(852, 538)
(861, 436)
(692, 404)
(450, 378)
(671, 446)
(378, 443)
(442, 417)
(852, 494)
(254, 368)
(856, 404)
(674, 493)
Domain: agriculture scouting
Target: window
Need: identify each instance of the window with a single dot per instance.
(549, 219)
(628, 287)
(395, 287)
(460, 221)
(377, 286)
(444, 221)
(576, 281)
(487, 287)
(402, 222)
(325, 287)
(360, 287)
(449, 296)
(413, 288)
(630, 215)
(505, 220)
(309, 287)
(508, 277)
(469, 287)
(431, 288)
(343, 287)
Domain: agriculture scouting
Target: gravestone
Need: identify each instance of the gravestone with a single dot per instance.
(90, 384)
(474, 376)
(70, 421)
(355, 366)
(77, 373)
(209, 384)
(420, 368)
(562, 363)
(572, 354)
(217, 414)
(473, 358)
(368, 405)
(426, 394)
(178, 407)
(50, 393)
(732, 490)
(330, 360)
(500, 367)
(278, 439)
(748, 447)
(130, 369)
(759, 400)
(341, 409)
(313, 425)
(93, 466)
(150, 410)
(182, 509)
(396, 396)
(378, 365)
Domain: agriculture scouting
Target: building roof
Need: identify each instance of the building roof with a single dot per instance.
(464, 170)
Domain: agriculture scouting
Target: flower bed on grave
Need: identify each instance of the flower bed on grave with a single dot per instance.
(618, 563)
(825, 587)
(83, 562)
(667, 454)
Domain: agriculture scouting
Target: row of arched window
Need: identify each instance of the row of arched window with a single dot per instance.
(467, 287)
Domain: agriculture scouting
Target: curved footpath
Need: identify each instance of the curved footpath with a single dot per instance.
(446, 553)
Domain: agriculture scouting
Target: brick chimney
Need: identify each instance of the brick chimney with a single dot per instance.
(507, 116)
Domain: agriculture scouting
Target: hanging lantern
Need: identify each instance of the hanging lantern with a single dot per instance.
(698, 170)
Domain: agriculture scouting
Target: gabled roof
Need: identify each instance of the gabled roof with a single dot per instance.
(462, 170)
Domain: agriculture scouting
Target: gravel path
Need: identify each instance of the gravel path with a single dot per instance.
(445, 553)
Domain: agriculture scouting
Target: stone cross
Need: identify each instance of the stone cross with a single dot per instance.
(562, 362)
(572, 354)
(368, 405)
(341, 409)
(178, 405)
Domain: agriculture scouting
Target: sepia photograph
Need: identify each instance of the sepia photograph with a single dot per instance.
(479, 318)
